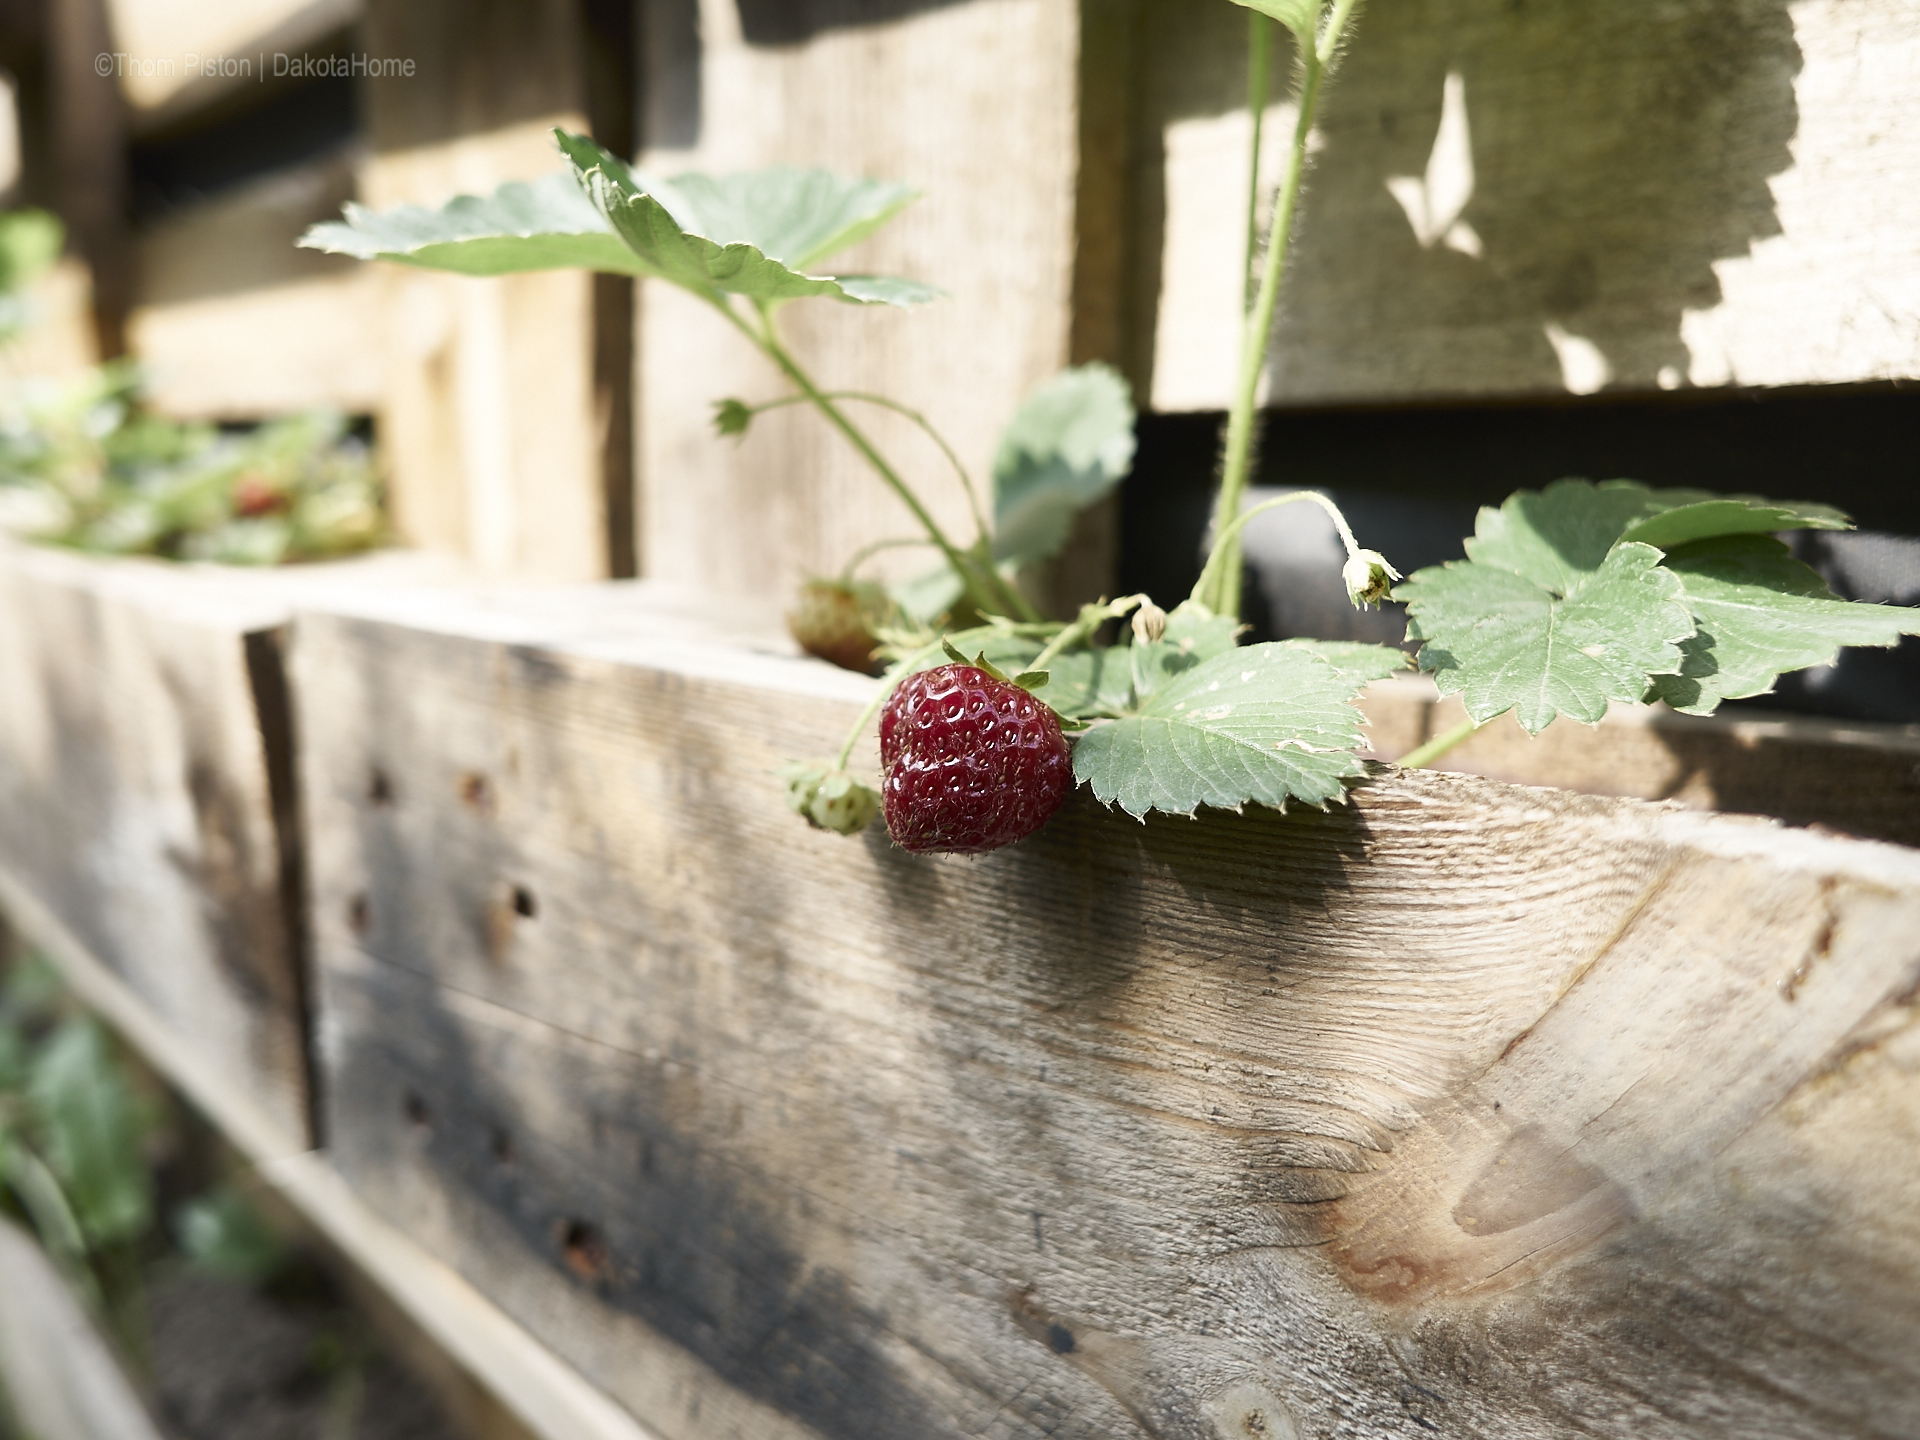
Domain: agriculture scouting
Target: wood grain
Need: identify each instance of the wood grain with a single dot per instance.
(1499, 1111)
(137, 800)
(1712, 192)
(973, 104)
(1856, 777)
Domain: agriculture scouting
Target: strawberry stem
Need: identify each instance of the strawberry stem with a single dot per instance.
(1229, 540)
(1422, 756)
(1223, 596)
(989, 591)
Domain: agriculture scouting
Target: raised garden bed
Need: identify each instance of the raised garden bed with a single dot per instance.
(1509, 1110)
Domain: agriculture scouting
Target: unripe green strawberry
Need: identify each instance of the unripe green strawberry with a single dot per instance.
(836, 619)
(830, 799)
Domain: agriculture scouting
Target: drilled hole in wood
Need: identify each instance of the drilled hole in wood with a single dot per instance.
(583, 1250)
(502, 1146)
(359, 913)
(524, 904)
(476, 793)
(379, 787)
(418, 1115)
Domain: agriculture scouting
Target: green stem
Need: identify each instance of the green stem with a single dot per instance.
(926, 425)
(1091, 618)
(1224, 599)
(1260, 33)
(865, 551)
(989, 591)
(1422, 756)
(1229, 538)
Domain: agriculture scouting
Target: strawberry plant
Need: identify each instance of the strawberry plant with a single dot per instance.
(1569, 598)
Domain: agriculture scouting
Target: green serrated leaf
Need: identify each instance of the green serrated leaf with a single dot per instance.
(1299, 16)
(707, 264)
(798, 217)
(1364, 663)
(1194, 635)
(1264, 724)
(1696, 515)
(750, 234)
(546, 225)
(1068, 445)
(1557, 535)
(1762, 614)
(1502, 640)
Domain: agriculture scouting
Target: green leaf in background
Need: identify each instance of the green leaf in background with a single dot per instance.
(223, 1232)
(1264, 724)
(1067, 446)
(1298, 16)
(30, 242)
(548, 224)
(1503, 640)
(707, 264)
(91, 1126)
(1762, 614)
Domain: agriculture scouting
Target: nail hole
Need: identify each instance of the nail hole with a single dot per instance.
(476, 792)
(379, 787)
(583, 1250)
(417, 1114)
(1060, 1339)
(523, 902)
(359, 913)
(502, 1146)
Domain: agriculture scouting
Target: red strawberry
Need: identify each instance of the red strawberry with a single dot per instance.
(972, 763)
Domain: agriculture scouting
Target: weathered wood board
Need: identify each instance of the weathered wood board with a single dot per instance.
(973, 104)
(1706, 192)
(1463, 1108)
(145, 797)
(1856, 777)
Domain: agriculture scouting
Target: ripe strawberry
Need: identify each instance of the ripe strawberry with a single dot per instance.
(972, 763)
(835, 619)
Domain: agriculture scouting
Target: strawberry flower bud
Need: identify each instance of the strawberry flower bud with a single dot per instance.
(1149, 623)
(1368, 578)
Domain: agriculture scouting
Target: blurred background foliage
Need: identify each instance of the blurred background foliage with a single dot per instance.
(84, 464)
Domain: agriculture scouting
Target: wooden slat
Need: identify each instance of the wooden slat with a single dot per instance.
(233, 322)
(489, 425)
(972, 104)
(1502, 1112)
(1711, 192)
(1852, 776)
(144, 718)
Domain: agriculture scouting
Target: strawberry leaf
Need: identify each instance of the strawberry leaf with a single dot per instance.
(1698, 515)
(752, 234)
(1761, 614)
(546, 225)
(1298, 16)
(1362, 663)
(1504, 640)
(1067, 446)
(661, 223)
(1264, 724)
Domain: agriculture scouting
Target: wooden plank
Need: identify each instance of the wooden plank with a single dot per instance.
(58, 1378)
(537, 1388)
(1506, 1112)
(972, 103)
(490, 423)
(233, 322)
(1719, 192)
(137, 798)
(1852, 776)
